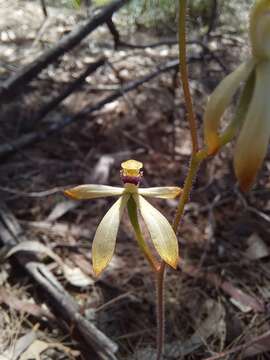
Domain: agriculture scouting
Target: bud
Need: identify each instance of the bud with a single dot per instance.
(260, 29)
(218, 103)
(254, 137)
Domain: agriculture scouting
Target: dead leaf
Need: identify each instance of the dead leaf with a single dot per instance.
(76, 277)
(34, 246)
(23, 306)
(15, 350)
(62, 229)
(101, 171)
(213, 324)
(257, 249)
(261, 345)
(38, 347)
(73, 275)
(61, 209)
(35, 350)
(246, 301)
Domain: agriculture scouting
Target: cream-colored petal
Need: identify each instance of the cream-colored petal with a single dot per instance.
(105, 237)
(219, 101)
(162, 234)
(168, 192)
(93, 191)
(253, 140)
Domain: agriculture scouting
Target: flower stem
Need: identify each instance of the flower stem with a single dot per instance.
(193, 169)
(194, 165)
(160, 280)
(184, 74)
(197, 157)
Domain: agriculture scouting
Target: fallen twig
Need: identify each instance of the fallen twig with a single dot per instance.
(238, 295)
(258, 344)
(41, 135)
(44, 8)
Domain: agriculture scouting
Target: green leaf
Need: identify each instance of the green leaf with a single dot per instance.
(77, 3)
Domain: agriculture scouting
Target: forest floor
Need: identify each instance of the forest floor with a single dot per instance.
(218, 299)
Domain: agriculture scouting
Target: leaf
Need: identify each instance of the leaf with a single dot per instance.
(77, 3)
(211, 322)
(35, 350)
(37, 247)
(257, 249)
(15, 350)
(260, 345)
(73, 275)
(76, 277)
(10, 300)
(61, 209)
(38, 347)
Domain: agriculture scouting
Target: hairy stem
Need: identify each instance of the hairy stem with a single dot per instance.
(196, 159)
(194, 165)
(160, 280)
(184, 74)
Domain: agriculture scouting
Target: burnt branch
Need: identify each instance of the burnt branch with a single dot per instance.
(33, 137)
(73, 86)
(14, 84)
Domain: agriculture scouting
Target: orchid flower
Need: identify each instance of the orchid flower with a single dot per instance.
(132, 197)
(253, 114)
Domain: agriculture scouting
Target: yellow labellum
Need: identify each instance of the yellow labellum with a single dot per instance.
(131, 167)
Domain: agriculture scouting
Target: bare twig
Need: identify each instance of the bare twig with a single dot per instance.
(33, 137)
(256, 342)
(44, 8)
(115, 33)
